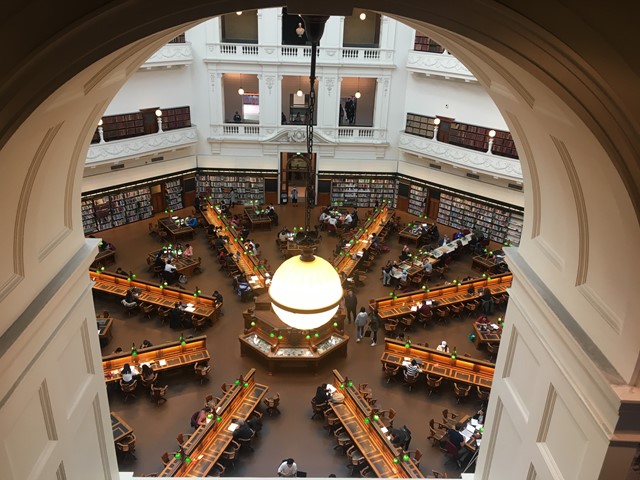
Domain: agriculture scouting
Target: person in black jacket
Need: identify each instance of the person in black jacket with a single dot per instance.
(243, 432)
(351, 304)
(322, 394)
(175, 317)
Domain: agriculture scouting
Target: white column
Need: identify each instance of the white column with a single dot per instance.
(269, 97)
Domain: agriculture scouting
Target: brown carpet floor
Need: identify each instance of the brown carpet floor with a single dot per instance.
(292, 433)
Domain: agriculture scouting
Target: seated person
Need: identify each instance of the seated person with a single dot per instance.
(443, 347)
(405, 253)
(176, 316)
(332, 221)
(428, 268)
(131, 298)
(482, 320)
(200, 417)
(145, 344)
(274, 217)
(455, 436)
(188, 250)
(288, 467)
(147, 372)
(242, 286)
(191, 222)
(159, 261)
(403, 275)
(210, 230)
(348, 220)
(217, 297)
(324, 216)
(413, 370)
(322, 394)
(424, 309)
(243, 432)
(457, 235)
(219, 242)
(170, 273)
(283, 235)
(127, 374)
(401, 437)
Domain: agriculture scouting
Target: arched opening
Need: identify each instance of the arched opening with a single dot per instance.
(577, 133)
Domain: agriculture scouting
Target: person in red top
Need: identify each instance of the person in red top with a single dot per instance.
(424, 308)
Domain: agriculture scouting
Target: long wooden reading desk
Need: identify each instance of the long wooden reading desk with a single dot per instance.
(461, 369)
(119, 427)
(257, 276)
(104, 257)
(441, 296)
(201, 306)
(371, 438)
(159, 357)
(347, 260)
(203, 449)
(175, 229)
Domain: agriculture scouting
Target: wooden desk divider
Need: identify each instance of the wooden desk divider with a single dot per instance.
(397, 306)
(462, 369)
(203, 449)
(159, 295)
(160, 357)
(369, 434)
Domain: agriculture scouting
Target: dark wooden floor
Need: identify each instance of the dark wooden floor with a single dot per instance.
(291, 434)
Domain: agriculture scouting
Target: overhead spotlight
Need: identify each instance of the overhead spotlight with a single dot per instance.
(363, 16)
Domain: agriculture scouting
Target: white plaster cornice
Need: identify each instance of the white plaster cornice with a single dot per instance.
(118, 150)
(489, 164)
(170, 55)
(438, 64)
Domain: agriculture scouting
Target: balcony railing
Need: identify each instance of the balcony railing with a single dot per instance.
(489, 164)
(298, 54)
(118, 150)
(439, 65)
(296, 134)
(170, 55)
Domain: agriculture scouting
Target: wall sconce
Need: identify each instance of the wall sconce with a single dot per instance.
(101, 131)
(300, 30)
(492, 133)
(159, 119)
(363, 16)
(436, 122)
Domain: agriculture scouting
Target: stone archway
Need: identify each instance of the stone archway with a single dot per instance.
(565, 83)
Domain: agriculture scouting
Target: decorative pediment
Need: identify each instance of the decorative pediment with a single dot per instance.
(297, 136)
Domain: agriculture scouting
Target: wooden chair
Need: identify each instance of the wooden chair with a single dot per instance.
(182, 438)
(443, 314)
(433, 383)
(167, 457)
(230, 455)
(366, 472)
(356, 459)
(126, 446)
(461, 392)
(147, 309)
(128, 389)
(407, 321)
(158, 394)
(387, 417)
(202, 372)
(425, 320)
(162, 235)
(163, 313)
(343, 440)
(149, 383)
(246, 442)
(364, 390)
(483, 395)
(211, 401)
(318, 408)
(217, 470)
(390, 328)
(416, 280)
(448, 418)
(456, 310)
(198, 323)
(435, 435)
(492, 348)
(471, 307)
(153, 228)
(131, 309)
(390, 372)
(410, 380)
(272, 404)
(416, 456)
(331, 419)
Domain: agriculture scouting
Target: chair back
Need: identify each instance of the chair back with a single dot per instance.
(417, 456)
(166, 458)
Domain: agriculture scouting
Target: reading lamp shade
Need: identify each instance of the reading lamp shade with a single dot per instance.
(305, 294)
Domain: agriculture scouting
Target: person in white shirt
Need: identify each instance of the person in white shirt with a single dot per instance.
(323, 217)
(348, 220)
(288, 468)
(428, 268)
(443, 347)
(170, 272)
(332, 220)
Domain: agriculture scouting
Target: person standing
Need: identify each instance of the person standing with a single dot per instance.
(294, 196)
(374, 325)
(351, 304)
(236, 117)
(232, 198)
(361, 320)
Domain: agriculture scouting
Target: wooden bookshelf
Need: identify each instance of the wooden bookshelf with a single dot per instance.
(174, 118)
(417, 197)
(101, 211)
(364, 192)
(89, 223)
(420, 125)
(173, 195)
(248, 187)
(422, 43)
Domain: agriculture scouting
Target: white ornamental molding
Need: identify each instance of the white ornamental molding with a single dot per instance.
(118, 150)
(489, 164)
(329, 83)
(439, 64)
(297, 136)
(171, 54)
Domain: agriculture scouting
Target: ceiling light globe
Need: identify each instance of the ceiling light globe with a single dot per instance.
(363, 16)
(158, 113)
(239, 13)
(299, 93)
(358, 94)
(305, 294)
(492, 133)
(241, 91)
(436, 121)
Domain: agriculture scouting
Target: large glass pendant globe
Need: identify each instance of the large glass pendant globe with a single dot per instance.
(305, 294)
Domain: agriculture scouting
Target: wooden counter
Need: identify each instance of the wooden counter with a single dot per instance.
(205, 446)
(462, 369)
(104, 258)
(160, 357)
(442, 296)
(485, 264)
(118, 285)
(369, 437)
(407, 235)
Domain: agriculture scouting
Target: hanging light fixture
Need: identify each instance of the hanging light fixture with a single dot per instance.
(241, 90)
(358, 94)
(299, 93)
(363, 16)
(306, 291)
(239, 13)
